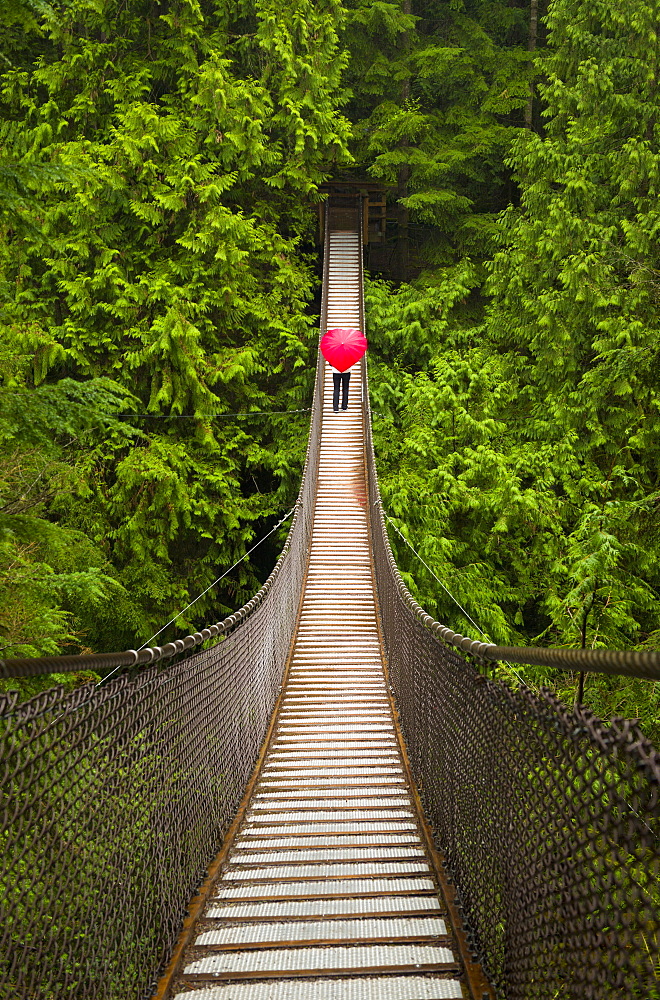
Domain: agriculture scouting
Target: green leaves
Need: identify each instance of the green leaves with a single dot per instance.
(436, 100)
(518, 450)
(53, 579)
(162, 155)
(582, 304)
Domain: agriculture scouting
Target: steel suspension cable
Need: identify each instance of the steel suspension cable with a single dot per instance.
(219, 578)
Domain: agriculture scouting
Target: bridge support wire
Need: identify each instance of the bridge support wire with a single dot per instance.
(544, 861)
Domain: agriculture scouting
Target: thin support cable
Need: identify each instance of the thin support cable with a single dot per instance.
(424, 563)
(221, 577)
(457, 603)
(181, 416)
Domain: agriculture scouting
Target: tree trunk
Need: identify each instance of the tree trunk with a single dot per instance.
(403, 215)
(579, 698)
(403, 218)
(531, 47)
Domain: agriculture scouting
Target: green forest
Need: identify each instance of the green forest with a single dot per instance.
(161, 167)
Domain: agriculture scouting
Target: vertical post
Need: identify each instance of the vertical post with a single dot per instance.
(321, 213)
(585, 618)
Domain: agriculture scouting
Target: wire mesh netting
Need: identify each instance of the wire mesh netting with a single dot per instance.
(115, 798)
(548, 818)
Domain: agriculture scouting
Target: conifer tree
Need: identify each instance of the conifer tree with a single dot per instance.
(576, 312)
(439, 90)
(169, 152)
(522, 464)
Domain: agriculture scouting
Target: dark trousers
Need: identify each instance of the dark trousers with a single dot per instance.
(340, 379)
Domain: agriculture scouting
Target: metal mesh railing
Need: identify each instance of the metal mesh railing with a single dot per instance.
(115, 798)
(548, 818)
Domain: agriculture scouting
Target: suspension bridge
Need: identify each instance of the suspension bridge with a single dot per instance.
(325, 796)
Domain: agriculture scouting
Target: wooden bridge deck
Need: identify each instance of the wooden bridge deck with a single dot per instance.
(328, 892)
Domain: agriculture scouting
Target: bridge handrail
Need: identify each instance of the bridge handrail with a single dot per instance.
(629, 662)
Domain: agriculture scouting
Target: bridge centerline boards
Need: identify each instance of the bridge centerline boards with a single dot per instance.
(327, 891)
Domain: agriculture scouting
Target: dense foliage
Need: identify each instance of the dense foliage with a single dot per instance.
(158, 173)
(523, 466)
(158, 168)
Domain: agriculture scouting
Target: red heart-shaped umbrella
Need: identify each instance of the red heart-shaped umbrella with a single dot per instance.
(343, 346)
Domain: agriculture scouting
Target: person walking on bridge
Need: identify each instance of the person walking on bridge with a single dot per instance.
(340, 380)
(342, 348)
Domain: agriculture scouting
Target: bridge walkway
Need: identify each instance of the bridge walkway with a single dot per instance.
(328, 891)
